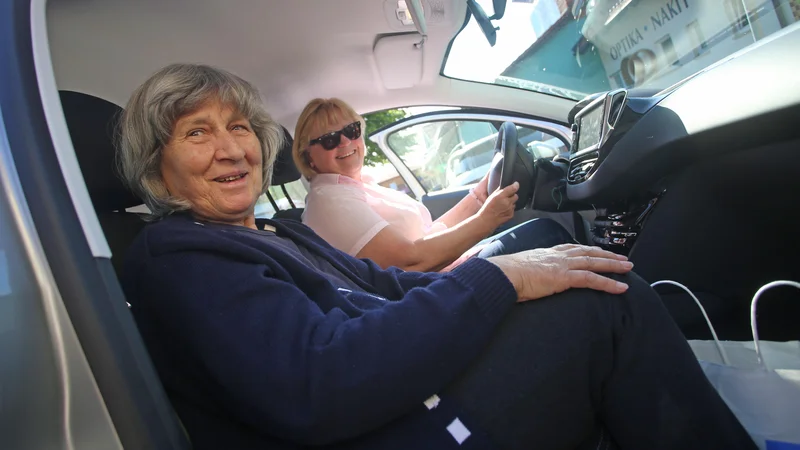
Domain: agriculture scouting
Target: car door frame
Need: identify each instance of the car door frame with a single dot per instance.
(381, 136)
(108, 391)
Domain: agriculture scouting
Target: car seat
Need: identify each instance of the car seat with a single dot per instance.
(284, 172)
(92, 124)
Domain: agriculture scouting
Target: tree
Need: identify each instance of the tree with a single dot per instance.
(375, 121)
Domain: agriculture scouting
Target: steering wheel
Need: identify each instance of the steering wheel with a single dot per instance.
(502, 168)
(510, 164)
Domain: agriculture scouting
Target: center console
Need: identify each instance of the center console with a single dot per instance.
(592, 127)
(598, 122)
(616, 228)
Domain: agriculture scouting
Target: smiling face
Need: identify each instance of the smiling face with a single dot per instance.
(346, 159)
(213, 160)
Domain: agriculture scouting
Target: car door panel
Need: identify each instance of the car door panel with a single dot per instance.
(439, 203)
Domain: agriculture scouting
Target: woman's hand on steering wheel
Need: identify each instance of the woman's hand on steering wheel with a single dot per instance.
(481, 190)
(542, 272)
(499, 206)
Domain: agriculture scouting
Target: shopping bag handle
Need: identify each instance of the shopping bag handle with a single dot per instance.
(754, 304)
(753, 323)
(720, 348)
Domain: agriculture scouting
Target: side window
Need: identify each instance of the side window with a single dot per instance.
(446, 154)
(376, 165)
(450, 154)
(540, 143)
(297, 196)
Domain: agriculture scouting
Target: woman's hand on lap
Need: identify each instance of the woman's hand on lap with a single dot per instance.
(543, 272)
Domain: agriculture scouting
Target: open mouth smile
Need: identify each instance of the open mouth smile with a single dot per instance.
(347, 155)
(230, 178)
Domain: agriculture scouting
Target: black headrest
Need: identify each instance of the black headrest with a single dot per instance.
(92, 123)
(284, 171)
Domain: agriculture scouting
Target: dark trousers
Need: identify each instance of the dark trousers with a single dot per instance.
(584, 369)
(536, 233)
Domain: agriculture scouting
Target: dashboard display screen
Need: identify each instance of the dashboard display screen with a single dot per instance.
(590, 127)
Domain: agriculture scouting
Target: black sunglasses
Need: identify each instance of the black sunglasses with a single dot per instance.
(332, 140)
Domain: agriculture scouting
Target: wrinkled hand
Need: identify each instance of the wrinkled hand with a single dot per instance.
(499, 207)
(543, 272)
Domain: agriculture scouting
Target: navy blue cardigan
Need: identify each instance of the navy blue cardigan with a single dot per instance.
(258, 350)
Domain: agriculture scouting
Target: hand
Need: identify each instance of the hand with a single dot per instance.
(543, 272)
(481, 190)
(499, 207)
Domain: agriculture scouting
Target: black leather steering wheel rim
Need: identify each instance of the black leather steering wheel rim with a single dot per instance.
(507, 146)
(511, 163)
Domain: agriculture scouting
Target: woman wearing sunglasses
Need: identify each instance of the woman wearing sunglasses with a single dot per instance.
(367, 220)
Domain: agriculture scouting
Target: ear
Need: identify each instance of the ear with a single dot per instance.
(308, 160)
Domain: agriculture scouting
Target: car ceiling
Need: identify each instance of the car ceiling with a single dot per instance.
(292, 51)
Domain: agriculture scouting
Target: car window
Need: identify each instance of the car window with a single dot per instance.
(540, 143)
(445, 154)
(450, 154)
(297, 197)
(574, 48)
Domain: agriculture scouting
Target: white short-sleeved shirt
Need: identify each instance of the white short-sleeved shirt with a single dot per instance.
(349, 213)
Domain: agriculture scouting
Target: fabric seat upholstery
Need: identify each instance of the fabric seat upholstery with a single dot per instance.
(285, 172)
(92, 124)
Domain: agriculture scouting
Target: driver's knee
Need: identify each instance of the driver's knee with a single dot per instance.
(541, 233)
(533, 234)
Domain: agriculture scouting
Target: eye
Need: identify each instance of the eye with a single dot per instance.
(194, 133)
(240, 127)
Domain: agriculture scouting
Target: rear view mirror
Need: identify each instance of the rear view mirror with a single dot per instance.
(483, 20)
(499, 9)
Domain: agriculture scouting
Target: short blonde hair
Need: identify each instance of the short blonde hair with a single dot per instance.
(154, 108)
(319, 113)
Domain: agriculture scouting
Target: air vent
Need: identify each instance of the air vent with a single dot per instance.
(581, 168)
(615, 108)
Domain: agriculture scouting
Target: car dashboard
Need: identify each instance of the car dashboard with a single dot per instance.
(626, 143)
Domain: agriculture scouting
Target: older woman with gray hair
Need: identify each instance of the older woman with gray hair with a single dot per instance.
(274, 339)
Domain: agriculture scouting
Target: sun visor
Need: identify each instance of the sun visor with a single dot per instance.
(399, 60)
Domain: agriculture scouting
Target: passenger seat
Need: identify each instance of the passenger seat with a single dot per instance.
(283, 173)
(92, 123)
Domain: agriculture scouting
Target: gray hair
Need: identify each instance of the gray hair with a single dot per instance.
(152, 111)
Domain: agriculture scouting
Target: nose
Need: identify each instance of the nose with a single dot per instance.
(228, 148)
(344, 141)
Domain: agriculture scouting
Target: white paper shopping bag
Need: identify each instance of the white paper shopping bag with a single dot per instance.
(759, 380)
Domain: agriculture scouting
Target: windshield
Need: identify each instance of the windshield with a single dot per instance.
(571, 48)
